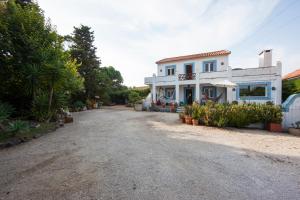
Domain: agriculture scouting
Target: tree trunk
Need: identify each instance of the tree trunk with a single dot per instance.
(50, 103)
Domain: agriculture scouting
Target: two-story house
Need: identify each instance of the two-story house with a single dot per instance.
(208, 76)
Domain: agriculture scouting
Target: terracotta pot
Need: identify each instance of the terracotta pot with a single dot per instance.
(195, 122)
(183, 120)
(294, 131)
(188, 120)
(274, 127)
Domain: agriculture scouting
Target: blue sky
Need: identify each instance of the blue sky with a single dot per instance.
(131, 35)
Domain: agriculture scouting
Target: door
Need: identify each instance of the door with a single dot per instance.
(189, 72)
(189, 95)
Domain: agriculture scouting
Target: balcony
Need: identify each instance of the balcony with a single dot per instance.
(190, 76)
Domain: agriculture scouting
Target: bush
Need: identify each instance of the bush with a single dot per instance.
(78, 105)
(133, 97)
(234, 115)
(5, 111)
(40, 107)
(18, 126)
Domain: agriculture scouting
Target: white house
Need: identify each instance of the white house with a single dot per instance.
(204, 76)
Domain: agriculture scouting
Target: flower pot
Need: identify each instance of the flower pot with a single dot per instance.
(294, 131)
(138, 107)
(274, 127)
(195, 122)
(183, 120)
(188, 120)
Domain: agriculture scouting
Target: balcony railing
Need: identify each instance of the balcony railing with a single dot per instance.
(189, 76)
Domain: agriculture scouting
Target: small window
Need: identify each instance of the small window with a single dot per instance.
(209, 67)
(171, 71)
(209, 92)
(169, 93)
(257, 90)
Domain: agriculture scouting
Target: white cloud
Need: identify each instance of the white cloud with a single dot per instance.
(131, 35)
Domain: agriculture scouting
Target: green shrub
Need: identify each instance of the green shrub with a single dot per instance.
(133, 97)
(40, 107)
(18, 126)
(78, 105)
(235, 115)
(5, 111)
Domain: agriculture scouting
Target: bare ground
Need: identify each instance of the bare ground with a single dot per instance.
(116, 153)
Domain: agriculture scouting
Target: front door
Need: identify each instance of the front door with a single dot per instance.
(189, 95)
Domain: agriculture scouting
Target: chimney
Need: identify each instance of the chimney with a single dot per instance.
(265, 58)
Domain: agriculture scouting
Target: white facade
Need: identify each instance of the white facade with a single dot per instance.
(196, 79)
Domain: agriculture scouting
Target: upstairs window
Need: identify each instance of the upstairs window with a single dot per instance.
(209, 66)
(170, 71)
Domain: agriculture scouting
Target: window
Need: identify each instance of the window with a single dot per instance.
(256, 90)
(209, 92)
(169, 93)
(170, 71)
(209, 66)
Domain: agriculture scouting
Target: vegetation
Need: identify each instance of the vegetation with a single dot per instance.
(234, 115)
(40, 76)
(290, 87)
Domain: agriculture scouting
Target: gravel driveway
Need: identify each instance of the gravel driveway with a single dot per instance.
(116, 153)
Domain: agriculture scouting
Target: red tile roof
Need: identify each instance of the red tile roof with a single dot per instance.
(294, 74)
(194, 56)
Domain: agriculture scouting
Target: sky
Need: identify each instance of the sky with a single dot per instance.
(131, 35)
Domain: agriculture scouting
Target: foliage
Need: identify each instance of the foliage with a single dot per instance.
(33, 61)
(5, 111)
(188, 110)
(18, 126)
(133, 97)
(197, 111)
(234, 115)
(78, 105)
(290, 87)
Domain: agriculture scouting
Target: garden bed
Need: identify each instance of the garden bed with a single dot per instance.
(268, 116)
(8, 140)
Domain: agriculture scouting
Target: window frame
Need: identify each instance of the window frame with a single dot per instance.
(267, 86)
(170, 68)
(209, 66)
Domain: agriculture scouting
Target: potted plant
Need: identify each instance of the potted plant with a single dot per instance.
(188, 114)
(295, 129)
(138, 105)
(273, 118)
(181, 117)
(196, 112)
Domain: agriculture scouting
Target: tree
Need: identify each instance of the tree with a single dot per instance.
(83, 50)
(34, 64)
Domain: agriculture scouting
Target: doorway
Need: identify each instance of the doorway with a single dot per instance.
(189, 71)
(189, 95)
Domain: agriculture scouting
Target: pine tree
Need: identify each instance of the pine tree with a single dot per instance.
(84, 51)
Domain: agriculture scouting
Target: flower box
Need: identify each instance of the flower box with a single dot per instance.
(294, 131)
(274, 127)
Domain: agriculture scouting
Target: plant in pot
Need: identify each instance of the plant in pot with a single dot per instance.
(181, 117)
(273, 118)
(188, 114)
(196, 112)
(295, 129)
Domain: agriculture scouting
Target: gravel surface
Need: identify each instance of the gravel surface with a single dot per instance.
(116, 153)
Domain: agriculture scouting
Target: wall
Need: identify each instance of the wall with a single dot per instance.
(198, 63)
(262, 74)
(291, 111)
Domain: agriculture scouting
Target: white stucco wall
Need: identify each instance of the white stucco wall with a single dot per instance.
(198, 63)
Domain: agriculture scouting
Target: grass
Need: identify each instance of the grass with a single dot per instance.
(42, 129)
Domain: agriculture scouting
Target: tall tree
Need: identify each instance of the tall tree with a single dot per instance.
(84, 51)
(33, 63)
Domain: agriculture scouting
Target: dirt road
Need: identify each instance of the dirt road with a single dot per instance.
(121, 154)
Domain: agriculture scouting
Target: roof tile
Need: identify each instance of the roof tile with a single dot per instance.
(194, 56)
(293, 74)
